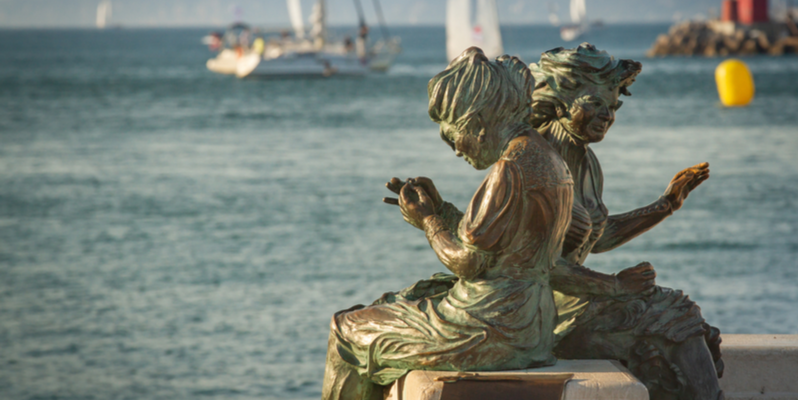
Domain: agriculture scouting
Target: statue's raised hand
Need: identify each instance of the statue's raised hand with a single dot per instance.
(636, 279)
(415, 204)
(426, 184)
(683, 183)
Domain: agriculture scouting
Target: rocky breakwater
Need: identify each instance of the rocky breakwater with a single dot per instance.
(717, 38)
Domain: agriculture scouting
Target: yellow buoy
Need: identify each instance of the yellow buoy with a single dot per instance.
(734, 83)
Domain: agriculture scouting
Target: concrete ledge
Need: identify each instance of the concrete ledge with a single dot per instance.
(759, 367)
(593, 379)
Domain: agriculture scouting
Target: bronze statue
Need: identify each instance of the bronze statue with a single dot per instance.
(659, 334)
(519, 296)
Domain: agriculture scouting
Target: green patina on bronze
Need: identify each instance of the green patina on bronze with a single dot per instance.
(519, 293)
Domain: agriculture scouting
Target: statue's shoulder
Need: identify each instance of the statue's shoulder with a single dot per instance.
(540, 164)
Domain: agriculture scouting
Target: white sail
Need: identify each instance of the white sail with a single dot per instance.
(296, 16)
(103, 14)
(462, 33)
(459, 27)
(487, 29)
(577, 11)
(317, 20)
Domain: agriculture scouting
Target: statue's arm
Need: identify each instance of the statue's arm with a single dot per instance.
(466, 243)
(622, 228)
(462, 259)
(451, 215)
(576, 280)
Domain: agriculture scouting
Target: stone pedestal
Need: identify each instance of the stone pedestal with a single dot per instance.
(757, 367)
(591, 379)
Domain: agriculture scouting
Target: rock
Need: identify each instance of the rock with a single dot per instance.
(715, 38)
(749, 47)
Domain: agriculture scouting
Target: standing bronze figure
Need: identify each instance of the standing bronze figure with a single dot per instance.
(519, 296)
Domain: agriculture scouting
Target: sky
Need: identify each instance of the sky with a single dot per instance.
(273, 13)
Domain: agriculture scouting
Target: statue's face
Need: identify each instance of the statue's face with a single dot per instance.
(480, 155)
(592, 113)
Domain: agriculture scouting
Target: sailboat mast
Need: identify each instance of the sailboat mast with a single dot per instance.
(360, 12)
(384, 29)
(317, 19)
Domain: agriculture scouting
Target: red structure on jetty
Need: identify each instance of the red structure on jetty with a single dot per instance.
(746, 12)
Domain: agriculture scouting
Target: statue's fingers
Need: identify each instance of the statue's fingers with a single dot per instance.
(698, 181)
(394, 185)
(648, 272)
(391, 200)
(644, 265)
(703, 165)
(407, 193)
(421, 192)
(702, 172)
(422, 180)
(394, 189)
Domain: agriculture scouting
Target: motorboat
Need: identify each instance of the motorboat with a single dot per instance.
(231, 46)
(464, 31)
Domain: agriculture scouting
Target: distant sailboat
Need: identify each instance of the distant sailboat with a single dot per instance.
(462, 33)
(579, 26)
(552, 14)
(103, 14)
(308, 53)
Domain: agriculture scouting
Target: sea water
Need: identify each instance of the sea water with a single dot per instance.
(170, 233)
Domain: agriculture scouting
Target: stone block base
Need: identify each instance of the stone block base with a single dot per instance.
(591, 379)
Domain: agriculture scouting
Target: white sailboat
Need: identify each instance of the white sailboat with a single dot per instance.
(579, 26)
(103, 14)
(463, 33)
(311, 54)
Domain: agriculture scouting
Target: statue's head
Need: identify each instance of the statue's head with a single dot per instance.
(477, 102)
(580, 88)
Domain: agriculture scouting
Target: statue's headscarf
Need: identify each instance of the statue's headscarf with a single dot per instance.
(561, 73)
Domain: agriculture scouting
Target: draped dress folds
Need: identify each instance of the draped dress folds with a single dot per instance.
(503, 317)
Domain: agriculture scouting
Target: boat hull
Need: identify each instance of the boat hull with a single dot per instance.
(226, 62)
(573, 32)
(300, 64)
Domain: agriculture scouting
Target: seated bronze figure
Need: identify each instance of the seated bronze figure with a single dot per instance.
(519, 297)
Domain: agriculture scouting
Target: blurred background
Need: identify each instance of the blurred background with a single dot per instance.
(167, 232)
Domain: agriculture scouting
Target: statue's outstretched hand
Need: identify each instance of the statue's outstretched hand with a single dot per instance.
(636, 279)
(395, 185)
(683, 183)
(415, 204)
